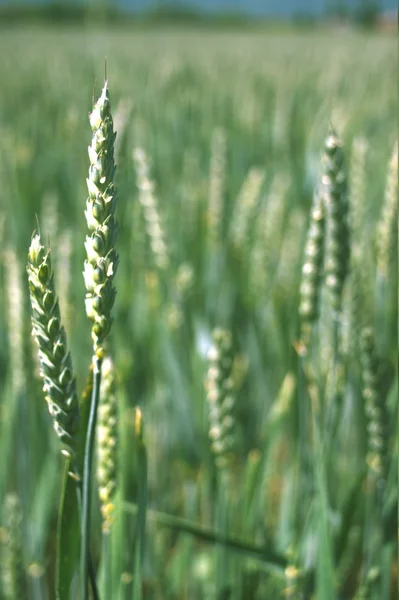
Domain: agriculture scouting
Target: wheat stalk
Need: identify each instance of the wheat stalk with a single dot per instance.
(99, 271)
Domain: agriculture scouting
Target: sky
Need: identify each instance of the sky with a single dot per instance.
(272, 8)
(256, 7)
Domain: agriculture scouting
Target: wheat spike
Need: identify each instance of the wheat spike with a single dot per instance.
(102, 260)
(333, 190)
(107, 443)
(56, 370)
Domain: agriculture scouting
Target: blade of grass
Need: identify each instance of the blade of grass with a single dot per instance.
(269, 558)
(141, 508)
(87, 479)
(68, 543)
(67, 540)
(325, 572)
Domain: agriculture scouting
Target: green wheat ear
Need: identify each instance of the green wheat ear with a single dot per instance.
(387, 230)
(312, 269)
(334, 191)
(375, 407)
(13, 570)
(149, 204)
(56, 370)
(102, 259)
(221, 399)
(107, 443)
(217, 182)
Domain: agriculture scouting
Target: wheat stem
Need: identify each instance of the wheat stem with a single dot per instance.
(87, 478)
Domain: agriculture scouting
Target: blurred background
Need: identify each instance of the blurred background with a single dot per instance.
(224, 107)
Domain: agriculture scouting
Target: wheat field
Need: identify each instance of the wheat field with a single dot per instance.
(246, 444)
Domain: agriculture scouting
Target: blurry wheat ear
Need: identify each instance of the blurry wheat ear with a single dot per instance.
(368, 587)
(375, 408)
(333, 190)
(268, 235)
(293, 583)
(312, 269)
(13, 570)
(217, 177)
(64, 275)
(49, 216)
(107, 443)
(149, 204)
(56, 370)
(357, 188)
(15, 319)
(246, 203)
(220, 395)
(102, 259)
(287, 276)
(387, 232)
(356, 309)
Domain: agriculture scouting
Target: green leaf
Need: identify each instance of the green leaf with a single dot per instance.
(265, 556)
(142, 508)
(325, 567)
(68, 540)
(349, 509)
(42, 509)
(68, 529)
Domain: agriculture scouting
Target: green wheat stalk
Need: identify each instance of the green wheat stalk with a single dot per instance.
(99, 271)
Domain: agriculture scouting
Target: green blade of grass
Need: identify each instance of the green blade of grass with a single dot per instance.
(141, 509)
(87, 481)
(269, 558)
(68, 547)
(325, 571)
(68, 541)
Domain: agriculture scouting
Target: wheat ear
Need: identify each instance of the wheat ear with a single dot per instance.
(14, 575)
(375, 408)
(312, 269)
(102, 259)
(99, 271)
(333, 189)
(387, 232)
(149, 204)
(106, 443)
(219, 387)
(56, 370)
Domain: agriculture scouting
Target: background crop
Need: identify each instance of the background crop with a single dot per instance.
(214, 113)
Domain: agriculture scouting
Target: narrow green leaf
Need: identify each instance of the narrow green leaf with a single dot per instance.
(68, 528)
(269, 558)
(68, 539)
(325, 568)
(349, 509)
(142, 508)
